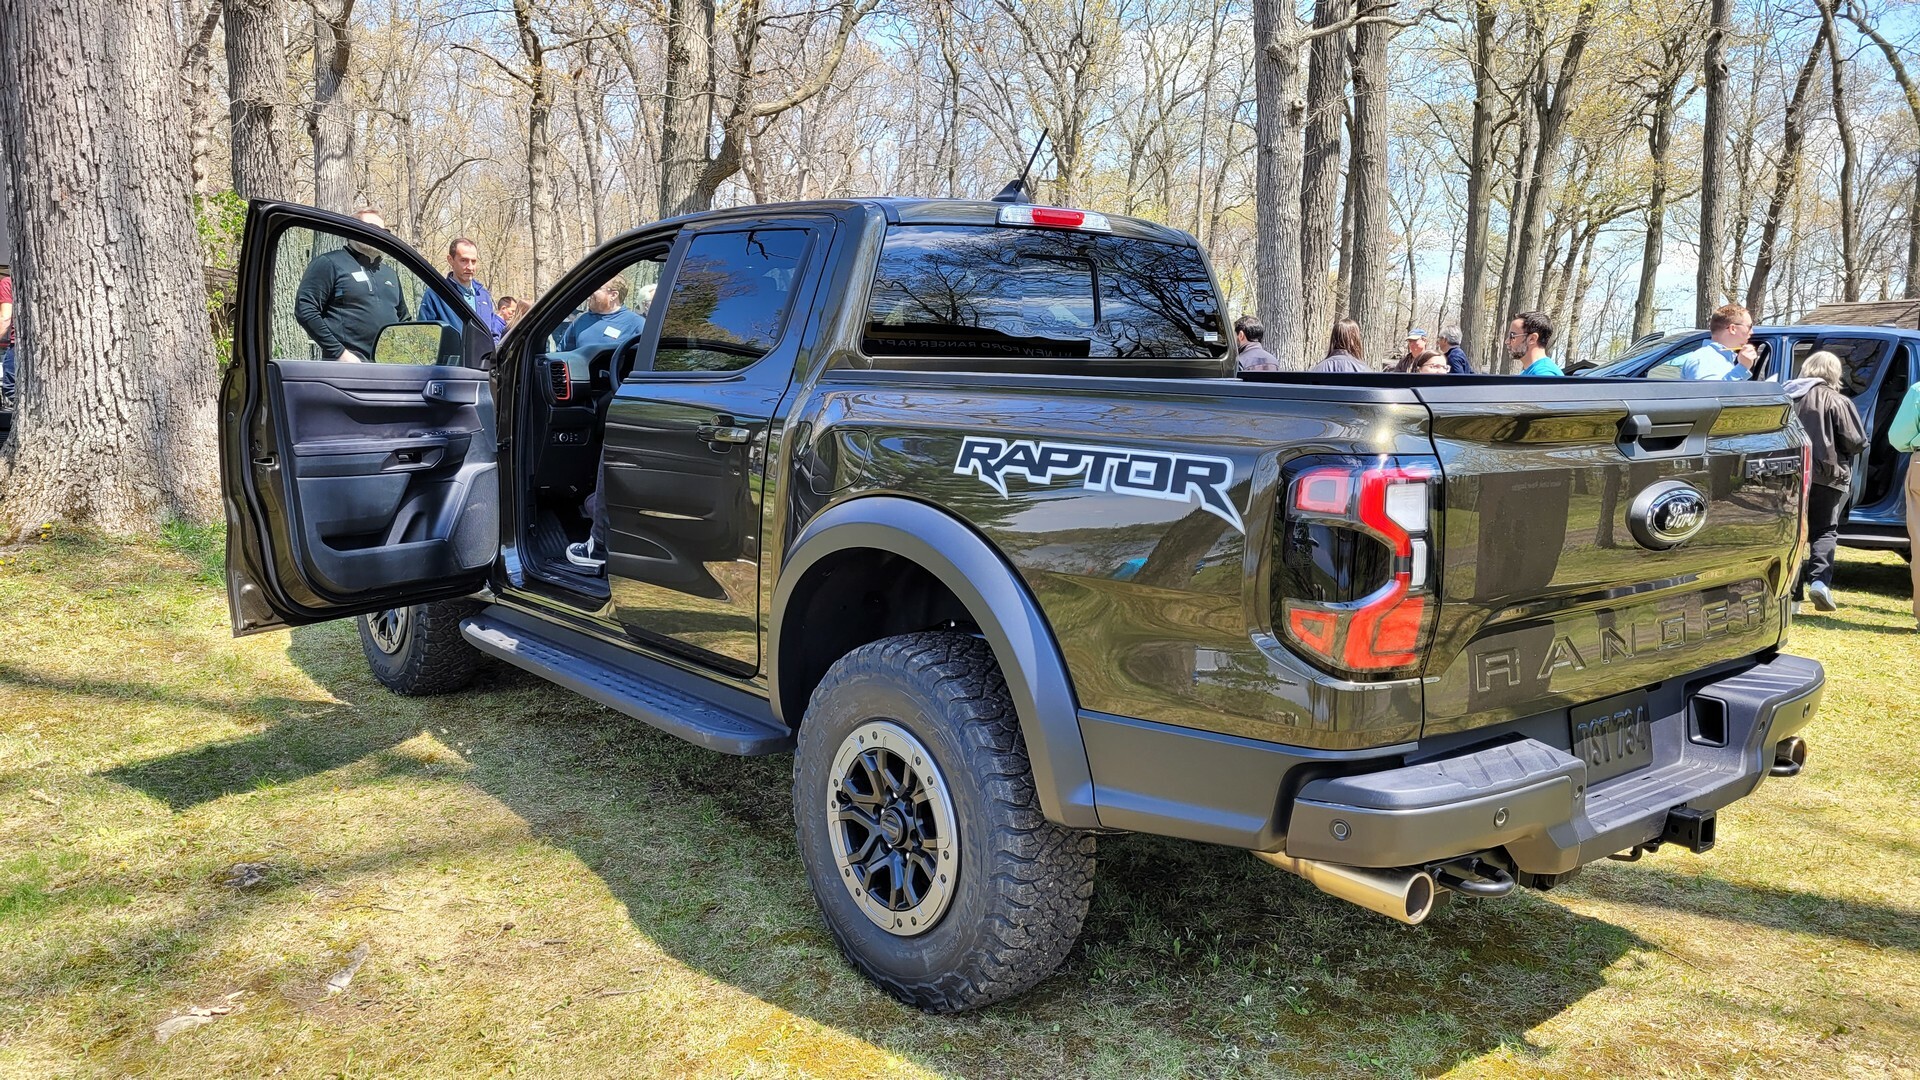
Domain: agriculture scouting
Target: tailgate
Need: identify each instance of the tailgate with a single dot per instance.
(1602, 535)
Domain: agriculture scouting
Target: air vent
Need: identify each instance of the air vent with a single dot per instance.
(561, 379)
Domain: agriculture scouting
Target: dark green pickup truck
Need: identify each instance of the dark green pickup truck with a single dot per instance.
(961, 504)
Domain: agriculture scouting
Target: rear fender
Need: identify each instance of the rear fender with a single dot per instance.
(1000, 606)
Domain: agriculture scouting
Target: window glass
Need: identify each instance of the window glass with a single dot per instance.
(613, 311)
(1670, 367)
(989, 291)
(729, 299)
(335, 299)
(1860, 360)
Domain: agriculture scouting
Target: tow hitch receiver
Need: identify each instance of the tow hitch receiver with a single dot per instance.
(1691, 829)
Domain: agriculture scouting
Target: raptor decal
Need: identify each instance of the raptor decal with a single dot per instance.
(1170, 477)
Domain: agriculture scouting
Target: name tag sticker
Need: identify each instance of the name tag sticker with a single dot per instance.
(360, 276)
(612, 331)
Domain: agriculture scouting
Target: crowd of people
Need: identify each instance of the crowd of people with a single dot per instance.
(348, 295)
(1726, 354)
(1529, 334)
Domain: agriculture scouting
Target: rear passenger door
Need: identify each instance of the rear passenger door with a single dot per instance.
(692, 428)
(351, 486)
(1866, 359)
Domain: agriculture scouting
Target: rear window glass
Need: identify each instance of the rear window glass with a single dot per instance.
(986, 291)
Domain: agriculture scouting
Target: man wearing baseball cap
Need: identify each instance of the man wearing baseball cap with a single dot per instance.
(1416, 350)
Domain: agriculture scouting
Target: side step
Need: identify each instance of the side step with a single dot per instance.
(675, 701)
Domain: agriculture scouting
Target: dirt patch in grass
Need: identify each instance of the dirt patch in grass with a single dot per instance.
(538, 886)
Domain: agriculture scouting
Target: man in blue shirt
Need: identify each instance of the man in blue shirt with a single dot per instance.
(1528, 335)
(607, 321)
(463, 262)
(1724, 355)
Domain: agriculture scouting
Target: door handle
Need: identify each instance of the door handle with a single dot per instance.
(723, 433)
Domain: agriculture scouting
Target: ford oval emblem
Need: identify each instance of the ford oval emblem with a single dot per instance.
(1667, 514)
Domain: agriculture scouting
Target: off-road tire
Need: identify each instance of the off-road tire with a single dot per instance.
(432, 656)
(1024, 883)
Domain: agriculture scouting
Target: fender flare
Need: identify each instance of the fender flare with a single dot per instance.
(1001, 606)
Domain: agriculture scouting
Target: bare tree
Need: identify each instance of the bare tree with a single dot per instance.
(1849, 151)
(1552, 99)
(256, 84)
(1713, 165)
(330, 119)
(1662, 86)
(1368, 167)
(1480, 183)
(1320, 176)
(1786, 174)
(1912, 94)
(115, 424)
(690, 174)
(196, 72)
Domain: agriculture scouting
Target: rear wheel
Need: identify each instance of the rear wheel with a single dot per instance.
(419, 650)
(921, 831)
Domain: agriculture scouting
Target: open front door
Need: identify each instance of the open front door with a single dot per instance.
(358, 456)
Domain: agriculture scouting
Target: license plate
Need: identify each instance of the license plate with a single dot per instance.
(1614, 736)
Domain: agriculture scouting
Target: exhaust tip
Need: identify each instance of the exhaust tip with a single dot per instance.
(1789, 757)
(1420, 895)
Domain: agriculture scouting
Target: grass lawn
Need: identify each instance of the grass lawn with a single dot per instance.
(521, 882)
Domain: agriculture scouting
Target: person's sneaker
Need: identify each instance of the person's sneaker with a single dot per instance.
(1822, 597)
(587, 555)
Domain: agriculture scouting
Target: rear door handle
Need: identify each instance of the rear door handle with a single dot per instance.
(723, 433)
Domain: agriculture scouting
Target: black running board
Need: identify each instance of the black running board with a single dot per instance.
(669, 698)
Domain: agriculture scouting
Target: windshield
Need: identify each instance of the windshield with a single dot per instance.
(1631, 358)
(988, 291)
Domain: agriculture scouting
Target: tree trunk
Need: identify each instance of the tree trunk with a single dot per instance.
(115, 420)
(1849, 152)
(330, 121)
(591, 122)
(1912, 290)
(1320, 170)
(1713, 168)
(1786, 172)
(1371, 203)
(1659, 142)
(1473, 284)
(256, 84)
(1568, 345)
(539, 79)
(686, 118)
(1550, 115)
(1279, 119)
(196, 71)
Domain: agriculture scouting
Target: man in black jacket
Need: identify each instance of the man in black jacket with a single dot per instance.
(347, 296)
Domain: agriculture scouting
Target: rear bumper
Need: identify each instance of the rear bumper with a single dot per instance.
(1533, 800)
(1393, 807)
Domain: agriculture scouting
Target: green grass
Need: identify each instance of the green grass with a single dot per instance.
(546, 888)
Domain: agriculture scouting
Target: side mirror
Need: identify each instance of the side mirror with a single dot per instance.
(422, 343)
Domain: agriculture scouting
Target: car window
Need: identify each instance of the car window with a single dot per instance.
(1860, 360)
(336, 300)
(992, 291)
(730, 298)
(1624, 364)
(1669, 367)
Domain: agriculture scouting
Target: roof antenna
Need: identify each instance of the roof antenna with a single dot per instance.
(1016, 191)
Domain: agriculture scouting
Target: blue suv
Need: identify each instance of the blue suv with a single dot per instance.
(1878, 364)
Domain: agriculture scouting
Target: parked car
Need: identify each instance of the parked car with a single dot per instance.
(960, 503)
(1878, 362)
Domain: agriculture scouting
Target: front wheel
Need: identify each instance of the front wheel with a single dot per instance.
(419, 650)
(917, 819)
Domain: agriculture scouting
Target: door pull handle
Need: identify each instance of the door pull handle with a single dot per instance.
(724, 433)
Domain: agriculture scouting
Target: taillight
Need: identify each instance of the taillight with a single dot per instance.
(1806, 487)
(1054, 217)
(561, 378)
(1353, 574)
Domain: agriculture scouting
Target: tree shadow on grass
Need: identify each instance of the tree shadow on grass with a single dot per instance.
(1194, 959)
(1878, 925)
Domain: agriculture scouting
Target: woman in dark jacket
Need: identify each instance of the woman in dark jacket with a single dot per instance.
(1343, 351)
(1835, 437)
